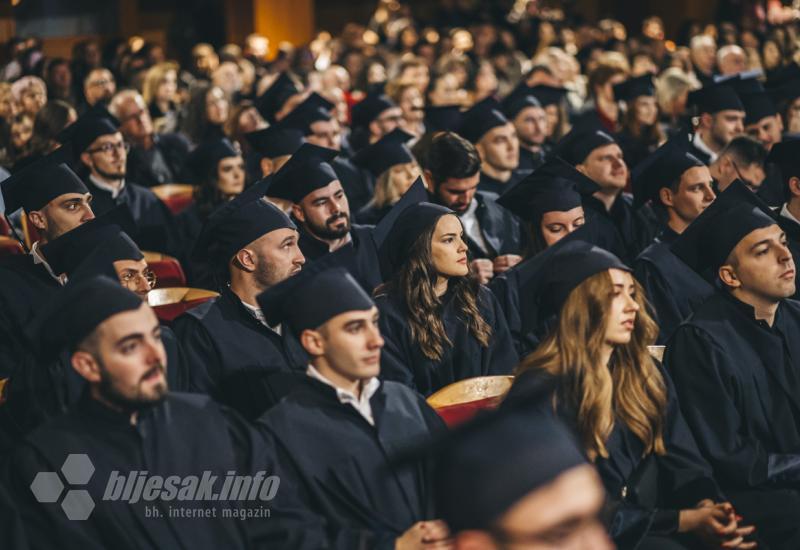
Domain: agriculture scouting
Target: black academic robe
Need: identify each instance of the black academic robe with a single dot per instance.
(162, 163)
(184, 435)
(792, 230)
(636, 228)
(340, 463)
(501, 230)
(645, 492)
(672, 287)
(530, 161)
(402, 359)
(773, 189)
(357, 184)
(236, 359)
(371, 215)
(701, 155)
(488, 184)
(634, 149)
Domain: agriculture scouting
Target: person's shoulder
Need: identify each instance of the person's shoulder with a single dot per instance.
(207, 311)
(174, 139)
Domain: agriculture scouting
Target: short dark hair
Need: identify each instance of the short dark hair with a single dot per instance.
(451, 156)
(746, 151)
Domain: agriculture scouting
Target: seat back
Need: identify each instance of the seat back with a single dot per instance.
(29, 232)
(177, 196)
(168, 270)
(10, 247)
(462, 400)
(169, 303)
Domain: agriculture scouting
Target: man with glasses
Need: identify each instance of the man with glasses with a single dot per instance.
(154, 159)
(743, 158)
(98, 144)
(99, 86)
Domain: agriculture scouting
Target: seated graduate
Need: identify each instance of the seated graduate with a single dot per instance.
(390, 161)
(100, 150)
(511, 479)
(440, 324)
(218, 172)
(322, 211)
(786, 156)
(335, 432)
(641, 132)
(675, 182)
(620, 404)
(493, 234)
(127, 423)
(234, 355)
(529, 118)
(735, 361)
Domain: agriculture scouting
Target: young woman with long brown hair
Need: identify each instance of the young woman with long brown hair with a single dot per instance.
(640, 133)
(439, 324)
(622, 405)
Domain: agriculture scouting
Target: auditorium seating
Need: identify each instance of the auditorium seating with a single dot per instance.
(168, 270)
(460, 401)
(169, 303)
(10, 246)
(177, 196)
(29, 232)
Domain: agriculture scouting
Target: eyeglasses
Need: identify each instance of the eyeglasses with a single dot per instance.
(108, 148)
(129, 277)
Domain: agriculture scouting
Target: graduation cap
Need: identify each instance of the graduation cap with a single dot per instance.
(306, 171)
(370, 108)
(32, 187)
(548, 95)
(580, 142)
(480, 118)
(313, 109)
(312, 297)
(757, 105)
(519, 98)
(482, 468)
(554, 186)
(662, 168)
(203, 160)
(708, 241)
(786, 154)
(66, 252)
(635, 87)
(94, 123)
(78, 309)
(388, 151)
(442, 118)
(271, 101)
(715, 98)
(788, 91)
(100, 261)
(276, 141)
(747, 82)
(783, 75)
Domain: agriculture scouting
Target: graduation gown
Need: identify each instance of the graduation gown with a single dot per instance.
(633, 149)
(236, 359)
(773, 188)
(402, 359)
(488, 184)
(162, 163)
(340, 463)
(169, 439)
(636, 228)
(530, 161)
(371, 215)
(645, 493)
(358, 185)
(672, 287)
(501, 230)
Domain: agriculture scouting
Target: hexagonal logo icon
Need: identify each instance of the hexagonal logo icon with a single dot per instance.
(77, 469)
(47, 487)
(78, 504)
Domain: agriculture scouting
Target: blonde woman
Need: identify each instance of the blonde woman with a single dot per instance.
(160, 93)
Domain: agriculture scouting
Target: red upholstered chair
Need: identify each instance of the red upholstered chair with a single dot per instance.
(177, 196)
(10, 246)
(29, 232)
(169, 303)
(168, 270)
(462, 400)
(5, 230)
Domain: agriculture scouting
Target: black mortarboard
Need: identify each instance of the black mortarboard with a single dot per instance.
(442, 118)
(312, 297)
(548, 95)
(313, 109)
(94, 123)
(708, 241)
(410, 223)
(662, 168)
(78, 309)
(635, 87)
(271, 101)
(276, 141)
(757, 105)
(554, 186)
(519, 98)
(480, 118)
(32, 187)
(746, 82)
(370, 108)
(100, 261)
(388, 151)
(580, 142)
(788, 91)
(715, 98)
(66, 252)
(306, 171)
(202, 161)
(482, 468)
(786, 154)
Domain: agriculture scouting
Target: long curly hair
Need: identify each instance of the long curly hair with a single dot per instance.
(415, 285)
(630, 388)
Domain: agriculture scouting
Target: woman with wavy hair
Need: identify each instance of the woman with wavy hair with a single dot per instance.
(439, 324)
(621, 404)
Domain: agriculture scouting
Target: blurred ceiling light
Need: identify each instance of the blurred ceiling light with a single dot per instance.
(371, 37)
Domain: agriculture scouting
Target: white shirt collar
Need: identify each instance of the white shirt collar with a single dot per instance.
(360, 404)
(106, 187)
(698, 142)
(259, 316)
(39, 259)
(788, 215)
(472, 226)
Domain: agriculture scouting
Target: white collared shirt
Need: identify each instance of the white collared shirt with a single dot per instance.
(259, 316)
(360, 404)
(115, 191)
(39, 259)
(788, 215)
(698, 142)
(472, 226)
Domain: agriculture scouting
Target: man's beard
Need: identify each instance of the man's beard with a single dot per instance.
(325, 232)
(110, 393)
(267, 275)
(113, 176)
